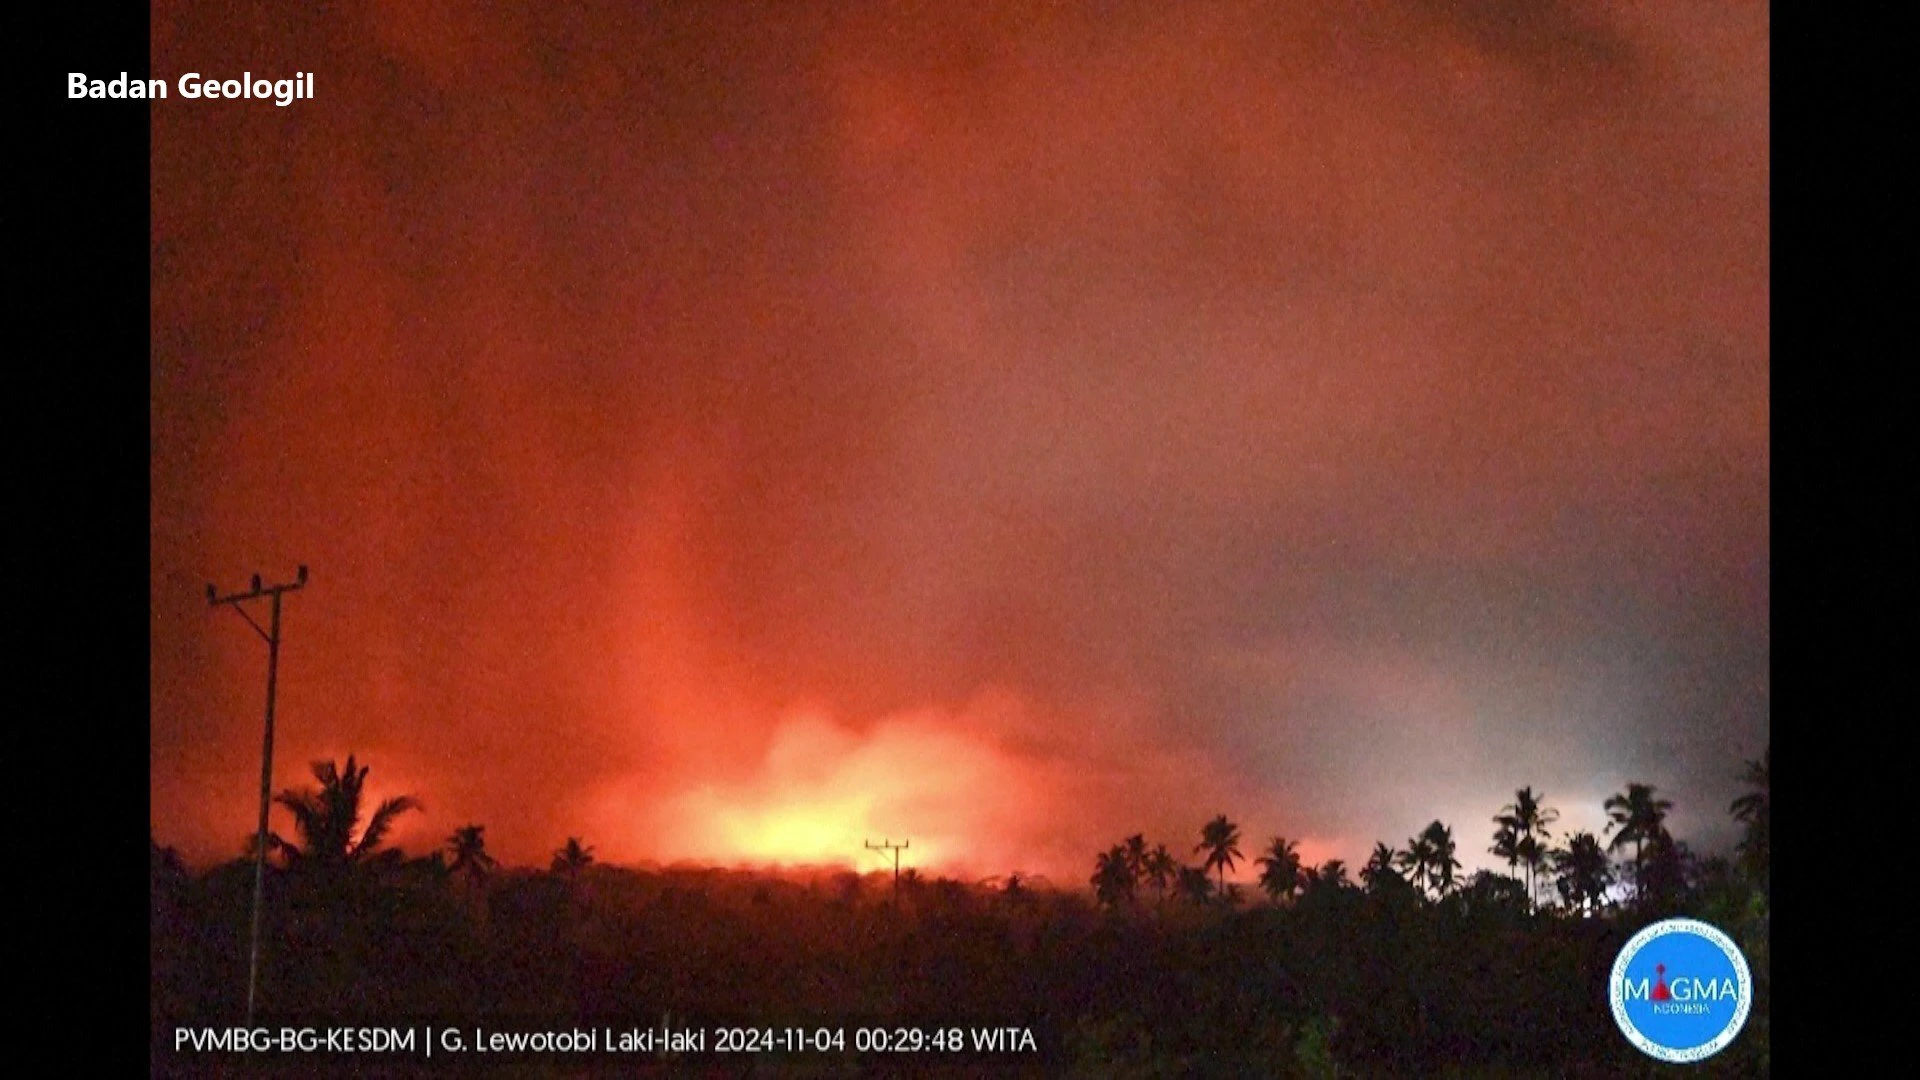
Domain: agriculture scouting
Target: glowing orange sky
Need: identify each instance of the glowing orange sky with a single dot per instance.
(735, 434)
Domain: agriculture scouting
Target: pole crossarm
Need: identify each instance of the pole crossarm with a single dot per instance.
(894, 849)
(257, 591)
(255, 594)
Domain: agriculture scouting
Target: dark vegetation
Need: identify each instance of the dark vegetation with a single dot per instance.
(1164, 969)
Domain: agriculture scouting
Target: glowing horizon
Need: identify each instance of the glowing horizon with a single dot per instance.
(734, 438)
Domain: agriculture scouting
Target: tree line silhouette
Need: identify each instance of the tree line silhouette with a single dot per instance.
(1581, 869)
(1407, 967)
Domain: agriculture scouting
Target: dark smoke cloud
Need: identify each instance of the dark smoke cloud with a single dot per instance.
(717, 428)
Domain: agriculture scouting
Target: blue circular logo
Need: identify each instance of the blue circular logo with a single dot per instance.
(1680, 990)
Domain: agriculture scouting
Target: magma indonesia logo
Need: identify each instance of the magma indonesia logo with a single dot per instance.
(1681, 990)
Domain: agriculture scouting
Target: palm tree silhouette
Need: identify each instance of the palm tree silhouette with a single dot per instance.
(1754, 810)
(1430, 858)
(1416, 861)
(1440, 837)
(1528, 817)
(1162, 870)
(1636, 818)
(1665, 872)
(1585, 872)
(1220, 839)
(1753, 806)
(1191, 884)
(468, 847)
(573, 858)
(1329, 877)
(1379, 874)
(326, 820)
(1136, 846)
(1534, 852)
(1112, 881)
(1506, 847)
(1281, 874)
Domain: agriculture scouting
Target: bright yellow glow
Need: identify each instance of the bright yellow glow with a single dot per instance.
(824, 791)
(816, 832)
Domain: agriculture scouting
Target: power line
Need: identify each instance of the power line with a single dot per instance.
(271, 634)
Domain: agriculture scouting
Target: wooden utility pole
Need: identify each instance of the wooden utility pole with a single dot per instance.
(895, 850)
(271, 634)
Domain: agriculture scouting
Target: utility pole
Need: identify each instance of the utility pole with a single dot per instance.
(895, 850)
(272, 638)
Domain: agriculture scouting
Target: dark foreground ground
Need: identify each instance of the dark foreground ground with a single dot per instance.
(1337, 982)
